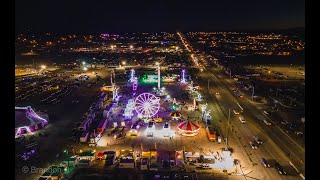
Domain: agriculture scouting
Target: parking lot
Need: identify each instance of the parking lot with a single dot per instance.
(72, 101)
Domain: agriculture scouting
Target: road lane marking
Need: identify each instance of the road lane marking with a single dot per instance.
(284, 133)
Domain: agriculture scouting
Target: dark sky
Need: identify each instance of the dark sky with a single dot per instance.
(157, 15)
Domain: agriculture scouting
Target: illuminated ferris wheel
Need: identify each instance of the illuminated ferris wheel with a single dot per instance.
(147, 105)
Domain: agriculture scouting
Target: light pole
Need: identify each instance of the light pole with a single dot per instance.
(228, 128)
(208, 83)
(252, 92)
(158, 64)
(43, 67)
(230, 73)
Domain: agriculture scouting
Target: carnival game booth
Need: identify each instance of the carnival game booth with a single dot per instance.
(27, 121)
(175, 115)
(188, 128)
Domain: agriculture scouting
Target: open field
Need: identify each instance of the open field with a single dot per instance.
(288, 71)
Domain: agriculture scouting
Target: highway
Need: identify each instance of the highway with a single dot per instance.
(243, 133)
(280, 138)
(277, 145)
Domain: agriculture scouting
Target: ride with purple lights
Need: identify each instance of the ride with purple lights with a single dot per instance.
(27, 121)
(183, 80)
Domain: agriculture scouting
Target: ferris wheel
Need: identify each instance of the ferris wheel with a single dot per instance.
(147, 105)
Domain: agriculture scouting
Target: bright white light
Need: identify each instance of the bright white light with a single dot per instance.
(131, 46)
(163, 88)
(43, 67)
(85, 68)
(157, 63)
(25, 127)
(102, 142)
(147, 105)
(83, 63)
(124, 63)
(168, 96)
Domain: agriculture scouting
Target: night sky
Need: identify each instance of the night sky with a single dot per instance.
(157, 15)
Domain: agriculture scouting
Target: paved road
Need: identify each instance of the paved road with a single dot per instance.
(287, 144)
(277, 144)
(254, 127)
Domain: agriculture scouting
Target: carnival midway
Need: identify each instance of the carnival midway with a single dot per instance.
(151, 122)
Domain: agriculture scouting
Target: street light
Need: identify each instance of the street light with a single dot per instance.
(43, 66)
(252, 92)
(228, 129)
(83, 63)
(85, 68)
(123, 63)
(131, 47)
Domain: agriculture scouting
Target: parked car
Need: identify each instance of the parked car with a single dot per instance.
(299, 133)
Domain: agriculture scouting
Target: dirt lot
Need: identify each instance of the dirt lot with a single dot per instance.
(289, 71)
